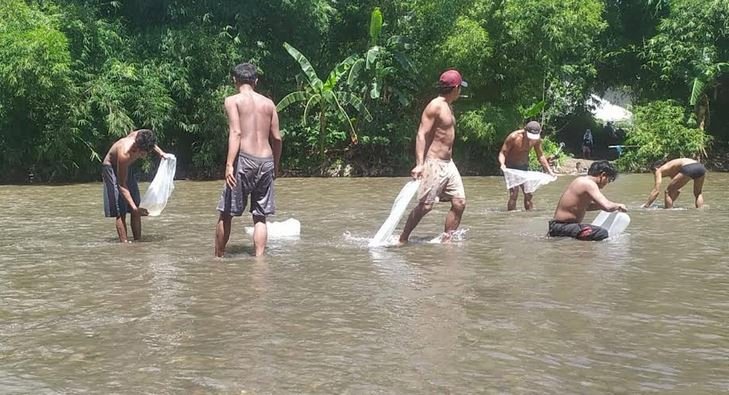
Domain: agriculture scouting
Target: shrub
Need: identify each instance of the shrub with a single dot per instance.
(663, 129)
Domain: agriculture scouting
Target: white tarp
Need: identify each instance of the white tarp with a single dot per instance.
(396, 213)
(289, 228)
(531, 180)
(608, 112)
(614, 222)
(155, 199)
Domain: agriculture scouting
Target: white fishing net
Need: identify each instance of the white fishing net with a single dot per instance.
(398, 209)
(531, 180)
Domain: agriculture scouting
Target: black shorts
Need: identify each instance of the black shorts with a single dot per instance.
(524, 167)
(254, 177)
(577, 231)
(693, 170)
(114, 203)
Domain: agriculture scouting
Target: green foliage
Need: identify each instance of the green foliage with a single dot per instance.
(663, 129)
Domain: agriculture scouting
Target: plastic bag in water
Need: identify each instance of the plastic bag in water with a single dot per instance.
(531, 180)
(398, 209)
(155, 199)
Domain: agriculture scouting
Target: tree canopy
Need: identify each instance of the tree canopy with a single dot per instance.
(77, 74)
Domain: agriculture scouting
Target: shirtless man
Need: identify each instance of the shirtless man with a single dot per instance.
(121, 192)
(254, 151)
(440, 179)
(514, 154)
(681, 171)
(581, 195)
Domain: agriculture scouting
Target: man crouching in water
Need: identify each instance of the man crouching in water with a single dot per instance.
(681, 171)
(440, 179)
(581, 195)
(254, 151)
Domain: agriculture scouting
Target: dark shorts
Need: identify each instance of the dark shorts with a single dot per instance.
(524, 167)
(114, 203)
(693, 170)
(254, 177)
(583, 232)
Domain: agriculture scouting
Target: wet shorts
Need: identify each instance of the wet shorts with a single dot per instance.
(524, 167)
(114, 203)
(693, 170)
(583, 232)
(254, 177)
(441, 182)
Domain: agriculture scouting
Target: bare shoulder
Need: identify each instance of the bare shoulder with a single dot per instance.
(434, 107)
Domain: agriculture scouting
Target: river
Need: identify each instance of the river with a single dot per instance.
(503, 310)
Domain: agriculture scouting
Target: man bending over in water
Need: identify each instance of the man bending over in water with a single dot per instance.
(514, 154)
(581, 195)
(440, 179)
(121, 192)
(682, 170)
(254, 151)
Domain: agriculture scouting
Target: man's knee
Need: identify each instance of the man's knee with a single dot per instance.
(514, 193)
(425, 207)
(458, 204)
(528, 196)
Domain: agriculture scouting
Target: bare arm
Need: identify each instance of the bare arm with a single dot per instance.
(656, 189)
(274, 138)
(425, 133)
(601, 202)
(540, 156)
(122, 169)
(159, 151)
(234, 133)
(505, 148)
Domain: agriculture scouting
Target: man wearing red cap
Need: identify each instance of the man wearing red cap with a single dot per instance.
(440, 179)
(514, 154)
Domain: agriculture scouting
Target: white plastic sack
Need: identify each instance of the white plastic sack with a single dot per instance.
(289, 228)
(396, 213)
(155, 199)
(614, 222)
(531, 180)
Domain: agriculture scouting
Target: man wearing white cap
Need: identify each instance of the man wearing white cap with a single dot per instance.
(440, 179)
(514, 154)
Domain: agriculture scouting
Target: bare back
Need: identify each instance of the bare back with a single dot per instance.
(672, 167)
(438, 117)
(580, 196)
(254, 115)
(121, 149)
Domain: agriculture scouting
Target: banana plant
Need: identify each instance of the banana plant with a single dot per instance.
(376, 64)
(324, 96)
(699, 99)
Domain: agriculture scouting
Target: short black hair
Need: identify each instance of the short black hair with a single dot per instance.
(603, 166)
(655, 165)
(145, 140)
(244, 73)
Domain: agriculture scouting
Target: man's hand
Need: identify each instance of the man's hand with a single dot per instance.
(229, 176)
(622, 208)
(417, 172)
(168, 156)
(142, 212)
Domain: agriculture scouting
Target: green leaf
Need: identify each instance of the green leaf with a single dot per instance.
(291, 98)
(354, 71)
(357, 103)
(306, 67)
(338, 72)
(375, 25)
(696, 90)
(313, 100)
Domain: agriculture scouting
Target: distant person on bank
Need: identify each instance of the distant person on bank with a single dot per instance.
(681, 171)
(587, 144)
(514, 154)
(440, 179)
(254, 152)
(581, 195)
(121, 192)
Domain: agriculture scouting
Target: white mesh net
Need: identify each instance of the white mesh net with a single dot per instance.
(531, 180)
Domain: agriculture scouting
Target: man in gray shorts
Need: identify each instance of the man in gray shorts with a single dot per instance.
(254, 151)
(681, 171)
(121, 192)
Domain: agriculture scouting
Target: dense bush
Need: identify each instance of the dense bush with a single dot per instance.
(663, 129)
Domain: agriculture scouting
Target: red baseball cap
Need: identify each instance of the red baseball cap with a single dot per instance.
(451, 78)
